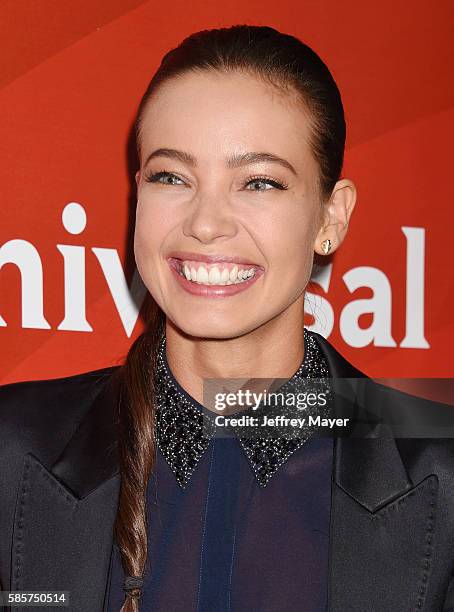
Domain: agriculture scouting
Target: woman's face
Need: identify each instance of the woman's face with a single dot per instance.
(204, 192)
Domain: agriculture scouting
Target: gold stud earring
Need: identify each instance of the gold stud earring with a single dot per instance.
(326, 246)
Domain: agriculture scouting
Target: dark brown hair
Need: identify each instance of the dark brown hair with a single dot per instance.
(284, 62)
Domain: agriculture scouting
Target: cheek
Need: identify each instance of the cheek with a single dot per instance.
(148, 238)
(151, 227)
(291, 242)
(146, 242)
(142, 232)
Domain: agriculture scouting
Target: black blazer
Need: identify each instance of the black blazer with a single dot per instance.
(392, 514)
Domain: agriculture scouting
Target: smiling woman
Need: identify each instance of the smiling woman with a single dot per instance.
(231, 177)
(138, 500)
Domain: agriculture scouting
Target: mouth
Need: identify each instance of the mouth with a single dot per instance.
(214, 275)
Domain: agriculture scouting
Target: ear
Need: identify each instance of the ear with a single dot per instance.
(137, 176)
(336, 216)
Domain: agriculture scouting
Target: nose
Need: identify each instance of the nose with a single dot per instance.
(209, 218)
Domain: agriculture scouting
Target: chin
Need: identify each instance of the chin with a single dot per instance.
(215, 329)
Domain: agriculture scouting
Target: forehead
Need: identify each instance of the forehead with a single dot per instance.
(212, 114)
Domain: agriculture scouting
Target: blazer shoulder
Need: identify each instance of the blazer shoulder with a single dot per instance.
(40, 416)
(423, 452)
(53, 385)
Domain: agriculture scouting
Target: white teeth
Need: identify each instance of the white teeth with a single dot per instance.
(214, 276)
(233, 273)
(202, 275)
(225, 276)
(187, 272)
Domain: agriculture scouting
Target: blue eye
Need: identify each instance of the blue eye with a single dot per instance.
(263, 180)
(157, 176)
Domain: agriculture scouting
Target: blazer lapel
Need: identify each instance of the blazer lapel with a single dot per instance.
(64, 517)
(376, 510)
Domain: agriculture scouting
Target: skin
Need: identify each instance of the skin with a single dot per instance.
(213, 209)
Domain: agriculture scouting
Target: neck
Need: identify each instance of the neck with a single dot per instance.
(266, 353)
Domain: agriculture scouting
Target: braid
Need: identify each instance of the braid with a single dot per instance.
(137, 448)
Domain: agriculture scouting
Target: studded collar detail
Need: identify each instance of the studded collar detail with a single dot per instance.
(185, 428)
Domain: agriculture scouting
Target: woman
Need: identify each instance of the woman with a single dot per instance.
(117, 486)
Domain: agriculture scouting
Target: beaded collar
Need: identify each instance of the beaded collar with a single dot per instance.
(185, 428)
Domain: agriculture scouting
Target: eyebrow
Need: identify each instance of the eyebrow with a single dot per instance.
(234, 161)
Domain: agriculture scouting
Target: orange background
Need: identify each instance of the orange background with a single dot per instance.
(71, 78)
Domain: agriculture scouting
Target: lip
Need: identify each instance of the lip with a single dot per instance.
(213, 291)
(211, 258)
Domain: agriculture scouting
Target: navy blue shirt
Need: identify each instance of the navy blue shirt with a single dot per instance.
(225, 542)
